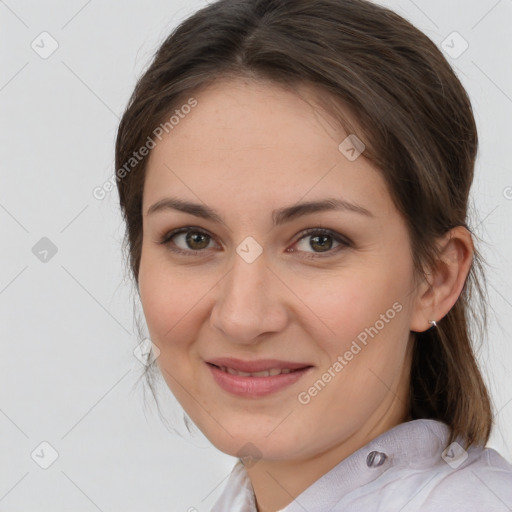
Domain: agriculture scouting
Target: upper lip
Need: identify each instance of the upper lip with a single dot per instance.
(258, 365)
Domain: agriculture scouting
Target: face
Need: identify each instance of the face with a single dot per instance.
(281, 327)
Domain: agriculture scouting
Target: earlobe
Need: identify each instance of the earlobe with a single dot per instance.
(437, 294)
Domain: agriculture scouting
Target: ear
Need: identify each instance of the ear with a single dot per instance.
(439, 292)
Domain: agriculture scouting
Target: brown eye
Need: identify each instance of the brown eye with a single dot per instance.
(314, 242)
(186, 241)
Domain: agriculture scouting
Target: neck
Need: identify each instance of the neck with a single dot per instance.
(276, 483)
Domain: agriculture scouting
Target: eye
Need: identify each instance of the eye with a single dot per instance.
(321, 241)
(191, 241)
(188, 241)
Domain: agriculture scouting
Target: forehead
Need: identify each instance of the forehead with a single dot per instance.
(259, 141)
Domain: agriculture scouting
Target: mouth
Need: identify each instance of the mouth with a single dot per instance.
(255, 379)
(264, 373)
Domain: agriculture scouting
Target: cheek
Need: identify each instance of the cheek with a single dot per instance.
(368, 312)
(176, 306)
(342, 307)
(166, 297)
(171, 304)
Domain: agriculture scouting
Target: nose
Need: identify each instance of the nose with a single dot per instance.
(249, 302)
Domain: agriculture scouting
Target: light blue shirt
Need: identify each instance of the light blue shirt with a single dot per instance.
(408, 468)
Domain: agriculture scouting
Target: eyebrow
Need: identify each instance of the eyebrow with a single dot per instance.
(279, 216)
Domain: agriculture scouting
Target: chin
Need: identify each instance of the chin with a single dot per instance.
(253, 443)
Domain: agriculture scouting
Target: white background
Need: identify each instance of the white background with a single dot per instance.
(68, 375)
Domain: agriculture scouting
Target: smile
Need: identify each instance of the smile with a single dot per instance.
(264, 373)
(259, 382)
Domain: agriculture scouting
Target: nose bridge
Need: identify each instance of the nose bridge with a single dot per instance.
(248, 304)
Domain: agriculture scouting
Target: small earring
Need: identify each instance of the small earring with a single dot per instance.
(433, 323)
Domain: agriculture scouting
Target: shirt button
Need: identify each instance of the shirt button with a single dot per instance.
(375, 459)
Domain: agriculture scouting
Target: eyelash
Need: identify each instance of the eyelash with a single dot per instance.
(343, 241)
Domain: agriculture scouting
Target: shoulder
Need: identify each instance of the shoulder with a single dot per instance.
(482, 482)
(423, 473)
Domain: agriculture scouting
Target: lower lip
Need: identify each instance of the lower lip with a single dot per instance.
(254, 387)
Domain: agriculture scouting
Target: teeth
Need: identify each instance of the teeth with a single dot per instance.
(265, 373)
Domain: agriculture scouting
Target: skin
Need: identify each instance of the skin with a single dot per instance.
(249, 148)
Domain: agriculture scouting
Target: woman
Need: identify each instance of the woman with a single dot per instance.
(294, 176)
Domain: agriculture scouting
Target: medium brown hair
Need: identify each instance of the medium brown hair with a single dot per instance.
(415, 119)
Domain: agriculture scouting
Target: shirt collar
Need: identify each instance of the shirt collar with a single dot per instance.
(416, 443)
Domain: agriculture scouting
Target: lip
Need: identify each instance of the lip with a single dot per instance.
(255, 387)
